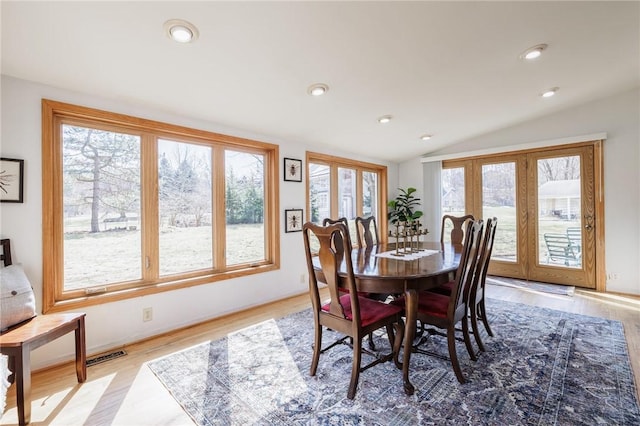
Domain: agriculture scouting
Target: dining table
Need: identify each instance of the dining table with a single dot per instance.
(386, 269)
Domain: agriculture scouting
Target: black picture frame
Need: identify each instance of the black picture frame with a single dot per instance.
(292, 170)
(11, 180)
(293, 220)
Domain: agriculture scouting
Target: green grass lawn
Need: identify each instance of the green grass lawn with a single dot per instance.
(506, 234)
(93, 259)
(505, 243)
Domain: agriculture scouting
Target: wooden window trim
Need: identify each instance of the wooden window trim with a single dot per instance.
(334, 163)
(53, 114)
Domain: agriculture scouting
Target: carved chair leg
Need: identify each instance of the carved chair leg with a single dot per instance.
(316, 349)
(355, 369)
(467, 338)
(397, 344)
(474, 326)
(451, 343)
(390, 334)
(483, 315)
(372, 345)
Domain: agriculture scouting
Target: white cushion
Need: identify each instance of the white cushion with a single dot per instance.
(17, 301)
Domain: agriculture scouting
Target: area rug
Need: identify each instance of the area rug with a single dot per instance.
(543, 367)
(565, 290)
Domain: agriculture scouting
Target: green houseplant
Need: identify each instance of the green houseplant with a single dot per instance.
(402, 208)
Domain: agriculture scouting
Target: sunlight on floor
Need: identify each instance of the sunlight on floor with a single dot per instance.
(146, 383)
(275, 366)
(563, 297)
(615, 300)
(80, 399)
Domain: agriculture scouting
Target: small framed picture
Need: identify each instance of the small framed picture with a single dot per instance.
(293, 220)
(293, 170)
(11, 180)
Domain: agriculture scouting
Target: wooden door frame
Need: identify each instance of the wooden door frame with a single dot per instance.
(539, 271)
(470, 165)
(517, 269)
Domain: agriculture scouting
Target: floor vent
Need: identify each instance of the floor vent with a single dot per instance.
(105, 357)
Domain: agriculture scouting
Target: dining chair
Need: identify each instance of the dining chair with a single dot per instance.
(445, 312)
(476, 295)
(367, 231)
(477, 309)
(338, 245)
(348, 313)
(456, 236)
(457, 231)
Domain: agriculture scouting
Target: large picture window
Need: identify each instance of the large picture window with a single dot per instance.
(135, 206)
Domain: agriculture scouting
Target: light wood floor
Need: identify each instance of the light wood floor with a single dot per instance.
(123, 391)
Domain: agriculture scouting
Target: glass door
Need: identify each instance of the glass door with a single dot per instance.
(501, 196)
(562, 241)
(545, 203)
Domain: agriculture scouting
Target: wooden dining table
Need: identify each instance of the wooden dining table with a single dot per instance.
(377, 270)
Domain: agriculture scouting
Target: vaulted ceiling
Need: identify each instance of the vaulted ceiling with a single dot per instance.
(448, 69)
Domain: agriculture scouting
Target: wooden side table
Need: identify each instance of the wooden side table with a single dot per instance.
(18, 342)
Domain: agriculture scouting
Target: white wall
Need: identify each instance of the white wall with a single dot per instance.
(619, 117)
(118, 323)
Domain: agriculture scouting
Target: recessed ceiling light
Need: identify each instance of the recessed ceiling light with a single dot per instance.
(533, 52)
(384, 119)
(181, 31)
(549, 93)
(425, 137)
(318, 89)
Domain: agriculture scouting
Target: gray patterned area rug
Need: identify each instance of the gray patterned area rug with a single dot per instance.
(543, 367)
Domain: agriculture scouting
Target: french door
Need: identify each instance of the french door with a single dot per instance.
(545, 202)
(561, 202)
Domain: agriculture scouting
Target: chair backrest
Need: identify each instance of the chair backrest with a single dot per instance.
(367, 231)
(484, 255)
(457, 231)
(466, 269)
(338, 244)
(330, 259)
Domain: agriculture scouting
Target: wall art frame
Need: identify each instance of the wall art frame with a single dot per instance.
(292, 170)
(11, 180)
(293, 220)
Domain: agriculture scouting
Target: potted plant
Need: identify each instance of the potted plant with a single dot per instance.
(402, 208)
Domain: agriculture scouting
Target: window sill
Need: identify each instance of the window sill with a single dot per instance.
(130, 293)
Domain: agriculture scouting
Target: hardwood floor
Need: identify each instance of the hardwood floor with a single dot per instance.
(124, 392)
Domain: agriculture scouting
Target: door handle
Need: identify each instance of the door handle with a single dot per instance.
(588, 218)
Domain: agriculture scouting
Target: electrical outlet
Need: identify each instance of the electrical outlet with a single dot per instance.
(147, 314)
(303, 278)
(612, 276)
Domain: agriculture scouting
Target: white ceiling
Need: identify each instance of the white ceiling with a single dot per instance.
(446, 68)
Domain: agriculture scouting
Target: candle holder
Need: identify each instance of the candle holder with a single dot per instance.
(397, 236)
(406, 233)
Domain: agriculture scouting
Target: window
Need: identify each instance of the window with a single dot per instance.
(137, 206)
(453, 197)
(340, 187)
